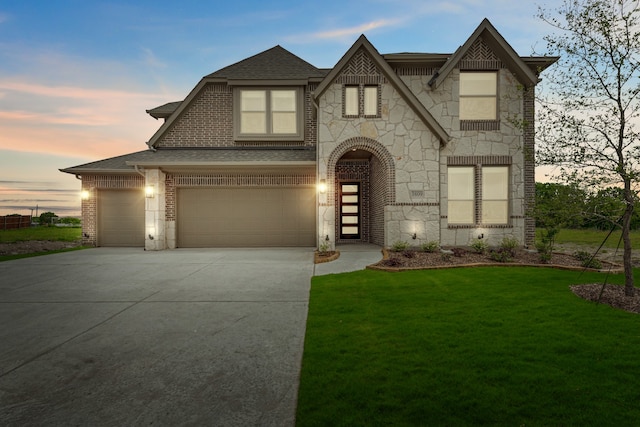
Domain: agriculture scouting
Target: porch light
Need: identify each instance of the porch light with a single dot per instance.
(149, 191)
(322, 187)
(84, 194)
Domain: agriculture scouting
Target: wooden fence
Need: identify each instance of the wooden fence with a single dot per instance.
(9, 222)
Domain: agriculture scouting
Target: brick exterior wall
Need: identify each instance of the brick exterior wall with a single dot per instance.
(170, 197)
(209, 122)
(529, 167)
(93, 184)
(377, 202)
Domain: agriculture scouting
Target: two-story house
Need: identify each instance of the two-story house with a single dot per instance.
(381, 148)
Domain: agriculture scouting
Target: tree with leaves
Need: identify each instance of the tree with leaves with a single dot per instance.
(589, 112)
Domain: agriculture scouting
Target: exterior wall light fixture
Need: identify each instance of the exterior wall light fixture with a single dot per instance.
(322, 186)
(149, 191)
(84, 194)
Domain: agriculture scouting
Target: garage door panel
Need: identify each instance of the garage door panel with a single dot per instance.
(232, 217)
(121, 218)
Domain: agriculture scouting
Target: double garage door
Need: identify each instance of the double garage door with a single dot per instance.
(245, 217)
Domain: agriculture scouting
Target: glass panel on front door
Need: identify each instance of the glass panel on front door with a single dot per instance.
(350, 210)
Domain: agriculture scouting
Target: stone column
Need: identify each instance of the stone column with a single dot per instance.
(155, 233)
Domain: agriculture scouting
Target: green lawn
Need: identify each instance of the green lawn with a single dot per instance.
(593, 238)
(66, 234)
(466, 347)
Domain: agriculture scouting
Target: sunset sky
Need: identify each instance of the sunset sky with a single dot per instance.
(77, 76)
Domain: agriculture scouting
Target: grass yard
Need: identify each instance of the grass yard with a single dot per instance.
(467, 347)
(65, 234)
(593, 238)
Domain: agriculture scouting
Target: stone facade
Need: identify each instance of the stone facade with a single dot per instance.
(415, 209)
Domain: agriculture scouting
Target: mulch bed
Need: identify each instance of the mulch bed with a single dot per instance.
(422, 260)
(612, 295)
(35, 246)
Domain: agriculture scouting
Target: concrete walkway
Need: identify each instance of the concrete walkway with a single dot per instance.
(353, 257)
(114, 337)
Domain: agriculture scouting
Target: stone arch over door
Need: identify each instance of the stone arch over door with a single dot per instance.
(378, 186)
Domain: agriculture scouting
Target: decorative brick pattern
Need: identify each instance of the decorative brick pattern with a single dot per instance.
(373, 147)
(244, 180)
(479, 160)
(484, 125)
(362, 69)
(415, 71)
(480, 57)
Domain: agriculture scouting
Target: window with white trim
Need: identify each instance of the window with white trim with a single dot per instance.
(361, 101)
(268, 113)
(463, 188)
(478, 95)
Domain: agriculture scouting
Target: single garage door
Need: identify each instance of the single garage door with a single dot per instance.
(121, 218)
(245, 217)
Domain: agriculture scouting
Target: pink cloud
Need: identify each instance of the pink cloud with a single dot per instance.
(74, 92)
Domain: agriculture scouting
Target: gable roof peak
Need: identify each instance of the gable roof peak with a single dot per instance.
(276, 63)
(503, 50)
(392, 77)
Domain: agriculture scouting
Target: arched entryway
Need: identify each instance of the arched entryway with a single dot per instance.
(363, 176)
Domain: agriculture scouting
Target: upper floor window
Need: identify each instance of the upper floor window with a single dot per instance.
(361, 101)
(478, 95)
(269, 114)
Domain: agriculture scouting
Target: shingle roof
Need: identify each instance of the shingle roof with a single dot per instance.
(276, 63)
(164, 111)
(196, 157)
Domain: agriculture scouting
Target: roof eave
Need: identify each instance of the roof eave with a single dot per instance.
(297, 163)
(92, 171)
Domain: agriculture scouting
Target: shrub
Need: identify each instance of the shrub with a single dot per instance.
(587, 260)
(323, 249)
(545, 244)
(479, 246)
(399, 246)
(502, 255)
(70, 220)
(432, 246)
(509, 243)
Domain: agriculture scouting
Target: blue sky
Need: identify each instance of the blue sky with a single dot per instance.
(77, 76)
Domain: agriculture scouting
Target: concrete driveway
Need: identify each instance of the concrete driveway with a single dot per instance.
(126, 337)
